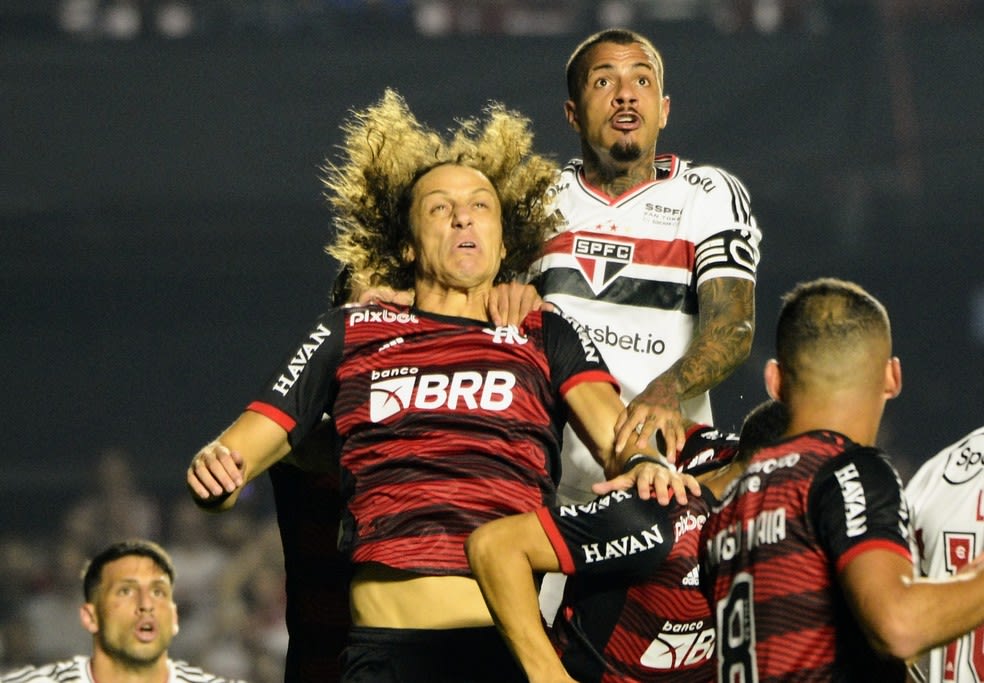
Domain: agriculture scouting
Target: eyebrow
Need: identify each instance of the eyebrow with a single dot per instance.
(442, 191)
(129, 581)
(609, 66)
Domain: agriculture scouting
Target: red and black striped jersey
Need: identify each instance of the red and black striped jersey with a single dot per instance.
(444, 423)
(633, 609)
(803, 509)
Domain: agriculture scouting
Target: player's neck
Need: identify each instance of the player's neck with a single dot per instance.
(105, 669)
(717, 480)
(459, 303)
(853, 419)
(615, 179)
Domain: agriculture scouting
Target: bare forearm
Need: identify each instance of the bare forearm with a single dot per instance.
(942, 613)
(722, 343)
(905, 617)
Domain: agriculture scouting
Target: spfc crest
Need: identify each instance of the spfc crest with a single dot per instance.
(601, 259)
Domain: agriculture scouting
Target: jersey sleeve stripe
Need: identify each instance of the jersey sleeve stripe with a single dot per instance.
(874, 544)
(564, 557)
(589, 376)
(280, 417)
(739, 199)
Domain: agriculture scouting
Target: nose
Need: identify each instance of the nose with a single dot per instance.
(624, 93)
(461, 217)
(145, 603)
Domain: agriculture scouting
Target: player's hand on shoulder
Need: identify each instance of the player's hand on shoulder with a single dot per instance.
(386, 295)
(511, 302)
(655, 413)
(652, 479)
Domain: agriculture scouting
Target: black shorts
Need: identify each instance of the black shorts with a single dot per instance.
(393, 655)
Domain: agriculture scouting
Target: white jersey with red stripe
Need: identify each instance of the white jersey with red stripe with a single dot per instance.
(946, 505)
(628, 268)
(79, 670)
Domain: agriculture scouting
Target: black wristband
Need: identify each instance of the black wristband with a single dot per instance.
(641, 457)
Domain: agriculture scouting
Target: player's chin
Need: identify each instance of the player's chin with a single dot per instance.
(625, 151)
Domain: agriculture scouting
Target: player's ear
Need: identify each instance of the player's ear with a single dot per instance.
(570, 113)
(893, 377)
(174, 610)
(773, 379)
(87, 615)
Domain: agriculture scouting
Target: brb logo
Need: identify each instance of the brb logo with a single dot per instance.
(680, 645)
(398, 389)
(601, 260)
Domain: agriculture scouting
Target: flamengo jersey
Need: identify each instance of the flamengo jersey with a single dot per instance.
(946, 501)
(445, 423)
(801, 511)
(77, 670)
(628, 269)
(632, 608)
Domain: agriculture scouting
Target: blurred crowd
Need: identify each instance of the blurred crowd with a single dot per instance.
(177, 19)
(229, 588)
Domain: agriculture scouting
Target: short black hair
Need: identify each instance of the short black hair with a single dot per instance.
(575, 69)
(822, 318)
(764, 423)
(92, 574)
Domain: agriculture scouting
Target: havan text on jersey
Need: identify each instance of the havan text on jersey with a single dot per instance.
(300, 359)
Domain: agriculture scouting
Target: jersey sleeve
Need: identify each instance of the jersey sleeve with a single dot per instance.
(726, 235)
(856, 504)
(617, 533)
(572, 356)
(301, 389)
(705, 449)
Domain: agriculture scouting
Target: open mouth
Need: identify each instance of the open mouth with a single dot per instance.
(146, 630)
(625, 121)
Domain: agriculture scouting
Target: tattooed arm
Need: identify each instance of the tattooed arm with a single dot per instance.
(723, 341)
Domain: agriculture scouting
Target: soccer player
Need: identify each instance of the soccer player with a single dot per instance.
(946, 504)
(444, 421)
(807, 561)
(655, 256)
(633, 608)
(130, 612)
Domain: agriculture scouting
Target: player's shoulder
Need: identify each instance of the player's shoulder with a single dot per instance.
(960, 462)
(183, 672)
(858, 466)
(67, 671)
(711, 178)
(553, 318)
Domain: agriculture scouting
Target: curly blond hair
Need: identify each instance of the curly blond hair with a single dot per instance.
(386, 150)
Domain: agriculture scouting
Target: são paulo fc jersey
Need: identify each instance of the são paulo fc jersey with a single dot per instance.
(79, 670)
(628, 268)
(946, 503)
